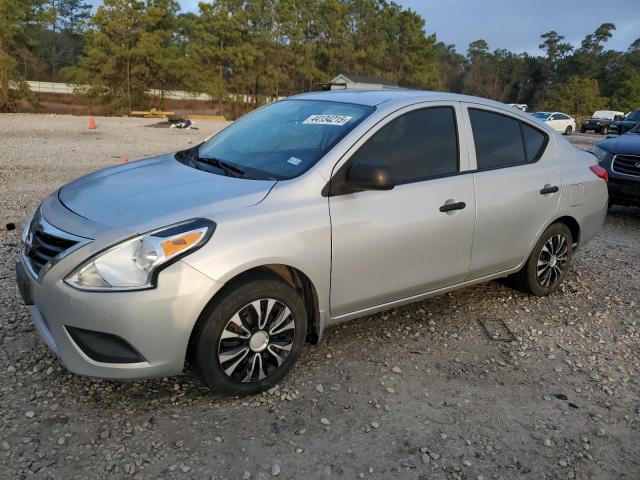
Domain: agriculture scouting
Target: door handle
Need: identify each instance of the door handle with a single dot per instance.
(448, 207)
(547, 190)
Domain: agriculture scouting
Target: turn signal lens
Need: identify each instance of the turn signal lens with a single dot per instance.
(177, 245)
(600, 172)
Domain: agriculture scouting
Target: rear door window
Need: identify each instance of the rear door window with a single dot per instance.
(504, 141)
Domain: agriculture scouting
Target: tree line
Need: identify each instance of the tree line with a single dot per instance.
(265, 49)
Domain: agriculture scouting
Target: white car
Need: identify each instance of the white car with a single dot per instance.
(560, 122)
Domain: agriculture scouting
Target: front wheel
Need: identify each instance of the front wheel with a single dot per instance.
(251, 337)
(568, 130)
(548, 263)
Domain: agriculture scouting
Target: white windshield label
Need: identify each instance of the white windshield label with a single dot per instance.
(294, 161)
(337, 120)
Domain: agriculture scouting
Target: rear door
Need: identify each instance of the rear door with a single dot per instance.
(392, 245)
(517, 183)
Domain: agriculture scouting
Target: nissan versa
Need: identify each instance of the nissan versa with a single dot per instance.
(311, 211)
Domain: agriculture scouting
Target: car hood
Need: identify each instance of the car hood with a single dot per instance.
(627, 143)
(152, 193)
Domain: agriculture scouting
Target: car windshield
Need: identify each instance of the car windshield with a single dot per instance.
(633, 116)
(541, 115)
(282, 140)
(635, 129)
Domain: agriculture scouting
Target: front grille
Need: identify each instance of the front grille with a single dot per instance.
(627, 164)
(45, 243)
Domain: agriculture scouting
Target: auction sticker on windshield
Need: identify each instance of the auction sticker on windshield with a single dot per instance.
(337, 120)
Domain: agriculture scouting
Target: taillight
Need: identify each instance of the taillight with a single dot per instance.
(600, 172)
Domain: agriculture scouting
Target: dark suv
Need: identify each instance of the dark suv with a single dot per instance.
(600, 120)
(627, 123)
(621, 157)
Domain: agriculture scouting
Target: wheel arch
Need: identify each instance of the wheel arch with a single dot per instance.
(573, 226)
(290, 275)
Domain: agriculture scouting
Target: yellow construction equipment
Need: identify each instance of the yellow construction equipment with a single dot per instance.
(153, 113)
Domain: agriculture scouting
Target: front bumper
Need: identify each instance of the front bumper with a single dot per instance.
(595, 128)
(156, 323)
(624, 192)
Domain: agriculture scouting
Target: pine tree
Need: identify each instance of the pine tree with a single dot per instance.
(18, 19)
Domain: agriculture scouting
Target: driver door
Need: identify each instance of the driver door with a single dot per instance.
(397, 244)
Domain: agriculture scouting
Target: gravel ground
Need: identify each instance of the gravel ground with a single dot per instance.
(420, 392)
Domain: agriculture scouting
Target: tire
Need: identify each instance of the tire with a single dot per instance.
(568, 130)
(246, 360)
(605, 130)
(528, 279)
(583, 130)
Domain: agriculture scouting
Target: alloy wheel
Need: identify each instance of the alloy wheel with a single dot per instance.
(256, 340)
(552, 260)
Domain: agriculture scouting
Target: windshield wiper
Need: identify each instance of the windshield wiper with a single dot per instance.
(228, 168)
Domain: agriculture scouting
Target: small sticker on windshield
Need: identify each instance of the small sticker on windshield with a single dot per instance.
(337, 120)
(294, 161)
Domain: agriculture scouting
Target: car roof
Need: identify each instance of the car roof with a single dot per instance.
(374, 98)
(606, 111)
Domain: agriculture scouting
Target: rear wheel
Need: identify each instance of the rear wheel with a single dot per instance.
(568, 130)
(548, 263)
(251, 337)
(583, 130)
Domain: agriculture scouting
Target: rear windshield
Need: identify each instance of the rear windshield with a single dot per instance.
(541, 115)
(284, 139)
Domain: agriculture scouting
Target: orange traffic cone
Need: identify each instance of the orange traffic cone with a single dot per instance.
(92, 123)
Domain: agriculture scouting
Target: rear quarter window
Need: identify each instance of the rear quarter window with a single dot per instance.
(534, 141)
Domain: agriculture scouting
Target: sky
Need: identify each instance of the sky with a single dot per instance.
(516, 25)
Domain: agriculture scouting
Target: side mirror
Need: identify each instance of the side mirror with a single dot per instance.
(370, 176)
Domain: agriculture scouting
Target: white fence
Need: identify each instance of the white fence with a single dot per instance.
(68, 88)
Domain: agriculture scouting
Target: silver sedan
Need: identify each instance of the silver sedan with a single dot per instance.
(308, 212)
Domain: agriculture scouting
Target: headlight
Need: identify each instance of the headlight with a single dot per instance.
(135, 263)
(600, 153)
(27, 225)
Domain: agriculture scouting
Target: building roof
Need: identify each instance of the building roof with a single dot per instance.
(365, 79)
